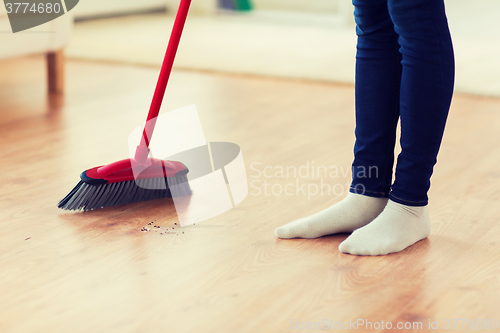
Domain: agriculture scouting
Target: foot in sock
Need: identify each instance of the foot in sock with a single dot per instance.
(347, 215)
(396, 228)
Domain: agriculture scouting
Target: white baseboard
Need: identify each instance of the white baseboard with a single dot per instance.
(315, 6)
(99, 7)
(321, 6)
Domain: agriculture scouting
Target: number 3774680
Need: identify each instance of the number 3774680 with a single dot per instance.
(32, 8)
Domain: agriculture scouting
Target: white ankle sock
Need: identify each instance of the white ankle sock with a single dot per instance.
(396, 228)
(347, 215)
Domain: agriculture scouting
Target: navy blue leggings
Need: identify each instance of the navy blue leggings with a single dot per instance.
(404, 69)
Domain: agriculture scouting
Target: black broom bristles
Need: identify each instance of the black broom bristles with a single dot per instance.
(86, 197)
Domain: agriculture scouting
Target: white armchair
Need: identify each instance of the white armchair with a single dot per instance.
(49, 38)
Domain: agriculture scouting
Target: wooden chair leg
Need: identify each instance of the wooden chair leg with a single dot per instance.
(55, 72)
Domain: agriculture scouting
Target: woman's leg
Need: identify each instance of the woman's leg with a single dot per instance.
(426, 91)
(378, 73)
(378, 80)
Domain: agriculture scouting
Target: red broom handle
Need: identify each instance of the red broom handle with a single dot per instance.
(142, 151)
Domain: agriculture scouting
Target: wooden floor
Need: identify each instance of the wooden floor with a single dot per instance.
(97, 272)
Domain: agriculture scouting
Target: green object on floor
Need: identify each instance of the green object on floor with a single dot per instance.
(243, 5)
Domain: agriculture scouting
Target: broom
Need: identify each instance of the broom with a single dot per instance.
(141, 178)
